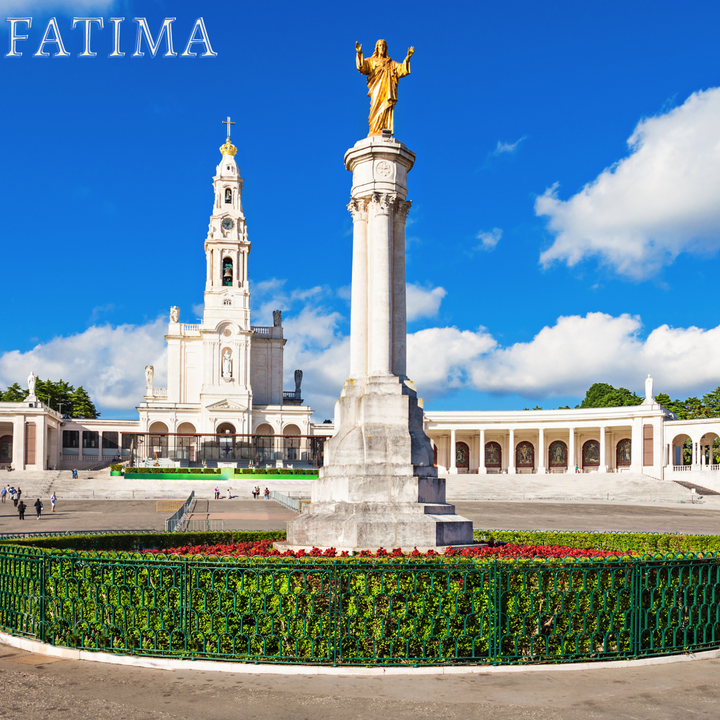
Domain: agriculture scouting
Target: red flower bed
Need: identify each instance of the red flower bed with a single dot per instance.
(264, 548)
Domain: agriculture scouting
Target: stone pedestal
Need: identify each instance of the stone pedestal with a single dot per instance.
(378, 486)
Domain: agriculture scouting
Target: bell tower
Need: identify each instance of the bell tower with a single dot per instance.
(227, 296)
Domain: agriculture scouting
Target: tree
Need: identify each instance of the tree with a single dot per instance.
(56, 395)
(712, 402)
(14, 393)
(604, 395)
(82, 405)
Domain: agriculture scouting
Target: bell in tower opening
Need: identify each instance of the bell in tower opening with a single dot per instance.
(227, 272)
(228, 196)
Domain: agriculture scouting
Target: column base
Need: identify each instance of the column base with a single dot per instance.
(372, 525)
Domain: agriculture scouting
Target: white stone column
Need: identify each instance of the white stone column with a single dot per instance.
(511, 452)
(572, 459)
(603, 450)
(482, 470)
(18, 461)
(208, 275)
(636, 457)
(453, 454)
(40, 443)
(399, 304)
(359, 301)
(380, 324)
(541, 451)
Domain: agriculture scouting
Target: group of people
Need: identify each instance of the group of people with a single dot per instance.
(16, 495)
(256, 493)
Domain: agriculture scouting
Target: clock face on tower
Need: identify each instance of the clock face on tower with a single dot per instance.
(228, 224)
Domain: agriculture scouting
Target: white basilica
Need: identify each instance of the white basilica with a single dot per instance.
(224, 401)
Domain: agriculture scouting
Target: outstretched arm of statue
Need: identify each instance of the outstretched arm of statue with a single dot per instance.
(403, 68)
(359, 60)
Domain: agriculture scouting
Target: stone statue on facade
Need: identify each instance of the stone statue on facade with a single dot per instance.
(298, 382)
(649, 389)
(149, 373)
(174, 314)
(383, 76)
(277, 318)
(226, 365)
(31, 383)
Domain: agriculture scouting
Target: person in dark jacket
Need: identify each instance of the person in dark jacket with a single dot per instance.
(38, 508)
(21, 510)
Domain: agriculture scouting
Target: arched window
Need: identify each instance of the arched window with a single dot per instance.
(623, 453)
(557, 452)
(591, 454)
(525, 455)
(493, 455)
(462, 456)
(227, 272)
(228, 196)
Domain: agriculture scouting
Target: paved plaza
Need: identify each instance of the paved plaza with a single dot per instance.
(34, 687)
(241, 514)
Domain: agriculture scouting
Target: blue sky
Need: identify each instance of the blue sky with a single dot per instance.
(545, 252)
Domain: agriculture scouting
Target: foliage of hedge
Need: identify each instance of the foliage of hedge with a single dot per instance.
(170, 471)
(617, 541)
(350, 611)
(274, 471)
(128, 542)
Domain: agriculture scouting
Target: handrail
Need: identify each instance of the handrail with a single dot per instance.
(177, 521)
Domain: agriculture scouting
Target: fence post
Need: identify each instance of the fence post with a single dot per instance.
(334, 602)
(493, 644)
(636, 617)
(43, 575)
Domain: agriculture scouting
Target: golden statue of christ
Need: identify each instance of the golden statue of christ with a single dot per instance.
(383, 76)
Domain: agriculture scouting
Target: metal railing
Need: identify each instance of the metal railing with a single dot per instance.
(354, 612)
(204, 525)
(291, 501)
(65, 533)
(177, 521)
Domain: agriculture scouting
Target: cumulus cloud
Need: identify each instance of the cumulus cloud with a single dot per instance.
(107, 360)
(423, 302)
(661, 200)
(488, 240)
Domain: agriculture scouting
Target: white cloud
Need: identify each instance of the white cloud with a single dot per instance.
(505, 147)
(663, 199)
(423, 302)
(108, 361)
(488, 240)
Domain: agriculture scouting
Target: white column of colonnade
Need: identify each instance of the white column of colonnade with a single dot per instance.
(453, 453)
(511, 451)
(603, 450)
(572, 459)
(541, 451)
(482, 470)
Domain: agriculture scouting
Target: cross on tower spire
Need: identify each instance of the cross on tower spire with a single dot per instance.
(228, 122)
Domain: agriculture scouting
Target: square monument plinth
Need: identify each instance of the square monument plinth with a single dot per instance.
(379, 487)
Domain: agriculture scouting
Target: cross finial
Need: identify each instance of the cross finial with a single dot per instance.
(228, 122)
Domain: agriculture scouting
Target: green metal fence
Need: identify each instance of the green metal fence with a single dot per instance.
(356, 612)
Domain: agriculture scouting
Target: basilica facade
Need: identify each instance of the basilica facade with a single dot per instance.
(224, 402)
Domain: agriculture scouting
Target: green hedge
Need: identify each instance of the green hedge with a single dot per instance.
(129, 542)
(173, 471)
(354, 612)
(618, 541)
(274, 471)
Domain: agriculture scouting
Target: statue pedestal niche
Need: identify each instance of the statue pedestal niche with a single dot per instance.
(378, 487)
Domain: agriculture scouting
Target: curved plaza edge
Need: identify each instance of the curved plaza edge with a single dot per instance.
(160, 663)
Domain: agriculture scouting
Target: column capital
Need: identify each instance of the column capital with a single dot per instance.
(402, 208)
(383, 203)
(358, 208)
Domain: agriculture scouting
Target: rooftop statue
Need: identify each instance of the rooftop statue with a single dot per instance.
(383, 76)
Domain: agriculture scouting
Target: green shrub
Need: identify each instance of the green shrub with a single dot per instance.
(116, 467)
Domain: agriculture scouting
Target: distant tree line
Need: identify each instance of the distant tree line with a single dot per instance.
(602, 395)
(59, 395)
